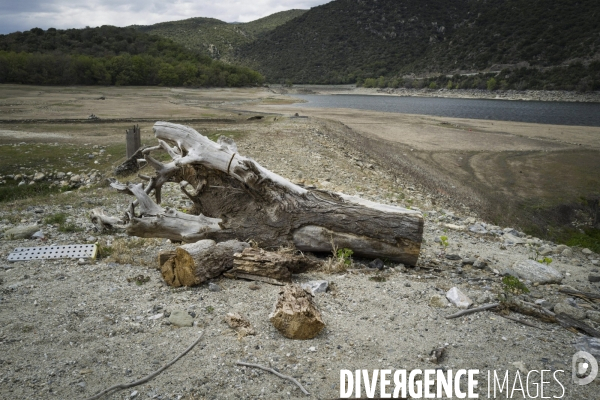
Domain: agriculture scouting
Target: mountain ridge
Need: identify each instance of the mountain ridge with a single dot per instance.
(346, 40)
(214, 37)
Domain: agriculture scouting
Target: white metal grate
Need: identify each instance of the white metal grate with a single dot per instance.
(51, 252)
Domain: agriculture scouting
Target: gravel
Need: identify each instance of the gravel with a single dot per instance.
(69, 330)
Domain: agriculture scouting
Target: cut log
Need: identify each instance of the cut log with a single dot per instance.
(295, 314)
(165, 256)
(256, 264)
(198, 262)
(236, 198)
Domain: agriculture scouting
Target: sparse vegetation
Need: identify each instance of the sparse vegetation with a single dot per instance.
(69, 227)
(104, 251)
(545, 260)
(589, 238)
(513, 285)
(444, 241)
(64, 225)
(12, 192)
(340, 261)
(345, 255)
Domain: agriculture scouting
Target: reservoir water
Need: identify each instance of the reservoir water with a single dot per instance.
(541, 112)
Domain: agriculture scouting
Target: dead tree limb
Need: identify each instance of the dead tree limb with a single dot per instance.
(271, 370)
(234, 197)
(472, 310)
(147, 378)
(105, 222)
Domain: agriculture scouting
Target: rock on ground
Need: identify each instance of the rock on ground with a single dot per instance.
(458, 298)
(531, 270)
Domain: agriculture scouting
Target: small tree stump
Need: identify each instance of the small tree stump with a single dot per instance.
(198, 262)
(295, 314)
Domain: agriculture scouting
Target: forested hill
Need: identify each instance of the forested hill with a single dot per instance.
(348, 39)
(214, 37)
(110, 55)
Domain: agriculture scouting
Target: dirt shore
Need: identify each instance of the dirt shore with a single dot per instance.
(503, 169)
(523, 95)
(69, 329)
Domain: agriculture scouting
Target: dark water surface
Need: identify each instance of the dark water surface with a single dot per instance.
(541, 112)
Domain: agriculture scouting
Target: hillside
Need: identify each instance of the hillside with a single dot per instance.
(102, 41)
(216, 38)
(110, 56)
(348, 39)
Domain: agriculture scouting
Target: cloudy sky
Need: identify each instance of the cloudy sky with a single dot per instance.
(22, 15)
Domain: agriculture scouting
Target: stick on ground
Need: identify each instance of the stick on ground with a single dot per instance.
(520, 321)
(147, 378)
(472, 310)
(289, 378)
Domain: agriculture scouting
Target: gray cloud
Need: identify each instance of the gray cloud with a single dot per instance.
(22, 15)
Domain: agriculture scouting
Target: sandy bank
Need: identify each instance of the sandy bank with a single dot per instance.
(523, 95)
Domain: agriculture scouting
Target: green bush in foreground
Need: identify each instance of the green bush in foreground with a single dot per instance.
(513, 285)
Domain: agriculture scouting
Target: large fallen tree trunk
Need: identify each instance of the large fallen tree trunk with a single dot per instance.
(236, 198)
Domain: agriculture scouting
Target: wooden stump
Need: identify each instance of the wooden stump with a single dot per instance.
(295, 314)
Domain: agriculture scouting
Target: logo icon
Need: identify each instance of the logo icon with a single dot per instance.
(585, 368)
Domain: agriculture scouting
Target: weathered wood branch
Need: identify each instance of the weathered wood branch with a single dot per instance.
(472, 310)
(147, 378)
(105, 222)
(257, 263)
(235, 198)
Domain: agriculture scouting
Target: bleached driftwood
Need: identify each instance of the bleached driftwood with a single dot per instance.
(105, 222)
(236, 198)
